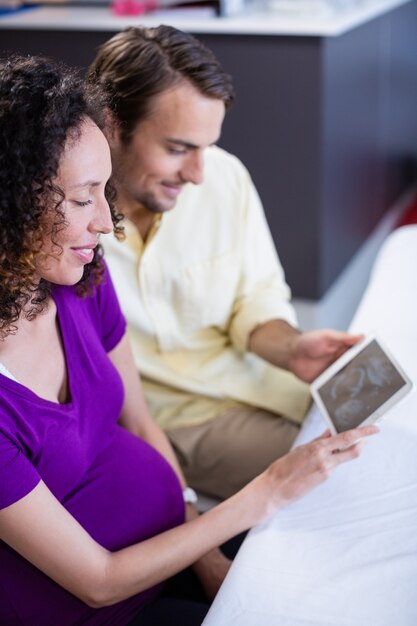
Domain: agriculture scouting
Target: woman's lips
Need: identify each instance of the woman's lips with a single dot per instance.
(85, 255)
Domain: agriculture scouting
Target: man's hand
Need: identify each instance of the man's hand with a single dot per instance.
(313, 351)
(304, 354)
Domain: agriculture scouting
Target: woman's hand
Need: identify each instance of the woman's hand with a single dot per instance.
(211, 570)
(299, 471)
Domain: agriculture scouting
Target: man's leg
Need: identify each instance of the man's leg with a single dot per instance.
(223, 455)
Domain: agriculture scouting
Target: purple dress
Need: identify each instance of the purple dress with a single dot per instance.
(117, 486)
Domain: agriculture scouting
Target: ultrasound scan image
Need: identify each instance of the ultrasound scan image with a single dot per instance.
(360, 388)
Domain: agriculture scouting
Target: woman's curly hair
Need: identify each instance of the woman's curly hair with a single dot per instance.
(42, 104)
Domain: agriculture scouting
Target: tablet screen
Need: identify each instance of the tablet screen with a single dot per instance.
(361, 387)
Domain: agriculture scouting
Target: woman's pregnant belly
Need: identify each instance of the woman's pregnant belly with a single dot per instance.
(131, 493)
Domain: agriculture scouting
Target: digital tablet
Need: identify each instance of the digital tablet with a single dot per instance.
(361, 386)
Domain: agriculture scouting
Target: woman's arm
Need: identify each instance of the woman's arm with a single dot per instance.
(135, 416)
(213, 566)
(42, 531)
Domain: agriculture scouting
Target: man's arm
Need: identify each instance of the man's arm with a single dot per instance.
(263, 318)
(304, 354)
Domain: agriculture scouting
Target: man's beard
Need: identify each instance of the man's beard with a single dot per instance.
(151, 204)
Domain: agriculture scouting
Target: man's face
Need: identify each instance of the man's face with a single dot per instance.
(166, 149)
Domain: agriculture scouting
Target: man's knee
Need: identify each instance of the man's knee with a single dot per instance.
(220, 457)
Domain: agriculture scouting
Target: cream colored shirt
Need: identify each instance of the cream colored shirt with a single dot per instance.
(206, 277)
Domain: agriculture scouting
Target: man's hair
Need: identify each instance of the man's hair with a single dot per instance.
(42, 105)
(137, 64)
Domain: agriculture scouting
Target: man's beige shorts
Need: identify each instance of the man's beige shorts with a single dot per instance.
(221, 456)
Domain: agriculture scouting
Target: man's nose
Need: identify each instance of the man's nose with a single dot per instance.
(193, 169)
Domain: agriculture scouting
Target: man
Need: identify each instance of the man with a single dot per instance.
(212, 328)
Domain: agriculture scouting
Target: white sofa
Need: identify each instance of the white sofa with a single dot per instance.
(346, 554)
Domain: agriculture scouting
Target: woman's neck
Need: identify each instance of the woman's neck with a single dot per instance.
(34, 355)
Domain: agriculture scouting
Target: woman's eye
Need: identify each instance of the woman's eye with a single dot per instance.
(85, 203)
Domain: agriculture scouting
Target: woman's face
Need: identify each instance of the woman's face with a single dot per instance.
(83, 172)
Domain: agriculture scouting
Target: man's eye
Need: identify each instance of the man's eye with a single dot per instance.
(85, 203)
(177, 150)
